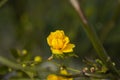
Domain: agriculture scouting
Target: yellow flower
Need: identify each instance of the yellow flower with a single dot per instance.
(59, 42)
(55, 77)
(52, 77)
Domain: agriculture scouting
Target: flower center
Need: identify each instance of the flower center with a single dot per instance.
(57, 43)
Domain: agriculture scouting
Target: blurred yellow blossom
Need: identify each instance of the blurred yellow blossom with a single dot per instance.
(52, 77)
(37, 59)
(63, 71)
(57, 77)
(59, 42)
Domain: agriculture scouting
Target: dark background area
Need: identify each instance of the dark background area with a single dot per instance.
(25, 24)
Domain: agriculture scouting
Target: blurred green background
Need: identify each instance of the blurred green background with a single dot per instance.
(25, 24)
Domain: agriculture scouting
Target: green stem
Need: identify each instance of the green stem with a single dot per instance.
(87, 75)
(13, 65)
(7, 62)
(94, 39)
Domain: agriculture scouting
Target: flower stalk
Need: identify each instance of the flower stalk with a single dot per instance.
(10, 63)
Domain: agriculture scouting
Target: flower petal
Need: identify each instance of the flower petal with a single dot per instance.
(52, 77)
(56, 51)
(69, 48)
(65, 41)
(57, 43)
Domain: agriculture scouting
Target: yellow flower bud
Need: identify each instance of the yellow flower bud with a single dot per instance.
(24, 52)
(57, 77)
(32, 64)
(37, 59)
(23, 65)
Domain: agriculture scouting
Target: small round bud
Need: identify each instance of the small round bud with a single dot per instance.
(37, 59)
(24, 52)
(32, 64)
(85, 69)
(23, 65)
(92, 69)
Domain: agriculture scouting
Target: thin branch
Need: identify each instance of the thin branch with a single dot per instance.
(7, 62)
(94, 39)
(78, 9)
(16, 66)
(87, 75)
